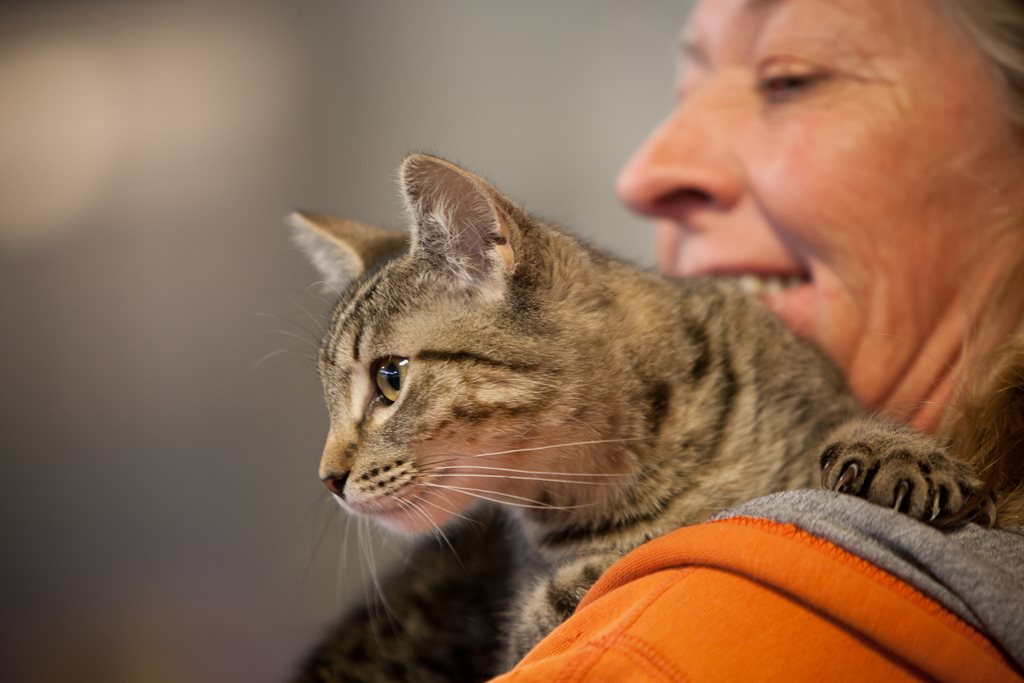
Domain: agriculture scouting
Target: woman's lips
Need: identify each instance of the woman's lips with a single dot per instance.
(791, 296)
(778, 277)
(795, 307)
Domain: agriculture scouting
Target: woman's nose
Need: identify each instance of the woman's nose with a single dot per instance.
(683, 166)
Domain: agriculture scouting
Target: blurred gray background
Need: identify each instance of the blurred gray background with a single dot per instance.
(160, 424)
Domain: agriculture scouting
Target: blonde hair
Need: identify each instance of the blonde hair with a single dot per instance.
(997, 29)
(985, 425)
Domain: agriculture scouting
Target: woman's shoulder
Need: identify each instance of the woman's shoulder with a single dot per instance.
(787, 587)
(972, 571)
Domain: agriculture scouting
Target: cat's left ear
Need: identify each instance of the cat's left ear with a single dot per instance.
(342, 250)
(459, 222)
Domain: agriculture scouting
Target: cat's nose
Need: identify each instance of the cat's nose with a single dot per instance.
(336, 483)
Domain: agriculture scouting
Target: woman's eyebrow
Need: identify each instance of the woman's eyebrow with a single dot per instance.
(758, 5)
(690, 48)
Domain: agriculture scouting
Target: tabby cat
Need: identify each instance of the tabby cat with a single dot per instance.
(486, 356)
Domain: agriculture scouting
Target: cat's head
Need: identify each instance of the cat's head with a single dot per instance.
(446, 369)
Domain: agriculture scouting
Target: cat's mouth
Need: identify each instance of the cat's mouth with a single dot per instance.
(373, 507)
(407, 510)
(395, 517)
(357, 503)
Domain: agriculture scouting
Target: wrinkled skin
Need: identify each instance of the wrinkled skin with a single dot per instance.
(858, 145)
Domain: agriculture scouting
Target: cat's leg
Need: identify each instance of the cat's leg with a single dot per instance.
(443, 616)
(892, 465)
(551, 600)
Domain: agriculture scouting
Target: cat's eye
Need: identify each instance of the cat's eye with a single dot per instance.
(389, 374)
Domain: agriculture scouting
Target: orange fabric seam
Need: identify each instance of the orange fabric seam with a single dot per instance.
(671, 578)
(642, 650)
(876, 574)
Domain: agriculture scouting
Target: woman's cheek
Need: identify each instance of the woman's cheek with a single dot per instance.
(820, 188)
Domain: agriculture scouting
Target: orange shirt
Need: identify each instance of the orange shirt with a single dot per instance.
(747, 599)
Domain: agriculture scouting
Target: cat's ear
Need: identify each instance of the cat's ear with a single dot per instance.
(458, 221)
(343, 250)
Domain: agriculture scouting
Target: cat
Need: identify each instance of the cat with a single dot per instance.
(486, 356)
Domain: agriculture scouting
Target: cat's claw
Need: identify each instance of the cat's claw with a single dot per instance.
(902, 489)
(846, 478)
(897, 468)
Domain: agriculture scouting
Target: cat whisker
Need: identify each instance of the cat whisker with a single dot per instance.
(499, 493)
(366, 543)
(508, 476)
(272, 354)
(479, 493)
(364, 570)
(571, 444)
(343, 554)
(520, 471)
(584, 424)
(409, 507)
(322, 283)
(439, 531)
(448, 511)
(310, 517)
(316, 322)
(302, 328)
(284, 333)
(379, 605)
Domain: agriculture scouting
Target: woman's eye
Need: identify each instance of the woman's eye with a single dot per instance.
(389, 373)
(782, 88)
(782, 78)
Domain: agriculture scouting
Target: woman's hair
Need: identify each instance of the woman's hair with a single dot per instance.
(997, 29)
(987, 430)
(986, 423)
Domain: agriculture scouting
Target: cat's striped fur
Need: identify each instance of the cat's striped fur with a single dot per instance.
(601, 406)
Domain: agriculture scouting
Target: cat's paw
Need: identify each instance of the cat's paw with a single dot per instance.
(893, 466)
(551, 601)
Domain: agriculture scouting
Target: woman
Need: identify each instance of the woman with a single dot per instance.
(860, 163)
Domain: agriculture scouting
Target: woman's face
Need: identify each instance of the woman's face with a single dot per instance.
(845, 155)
